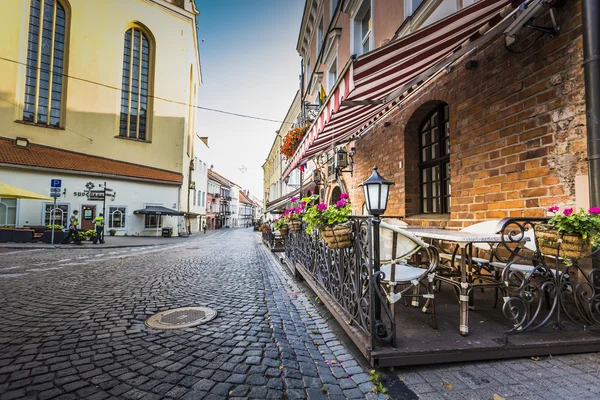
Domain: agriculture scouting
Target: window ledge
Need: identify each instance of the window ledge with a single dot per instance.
(133, 139)
(432, 220)
(56, 128)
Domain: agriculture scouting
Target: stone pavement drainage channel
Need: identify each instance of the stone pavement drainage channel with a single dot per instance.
(180, 318)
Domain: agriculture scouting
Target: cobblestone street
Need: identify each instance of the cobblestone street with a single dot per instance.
(74, 328)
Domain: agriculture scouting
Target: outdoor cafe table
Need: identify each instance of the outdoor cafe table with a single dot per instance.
(464, 240)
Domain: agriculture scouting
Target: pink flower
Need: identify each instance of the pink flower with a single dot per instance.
(294, 199)
(553, 209)
(298, 210)
(340, 203)
(344, 196)
(322, 207)
(568, 211)
(594, 210)
(312, 191)
(302, 204)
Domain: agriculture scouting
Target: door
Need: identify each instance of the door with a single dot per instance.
(88, 213)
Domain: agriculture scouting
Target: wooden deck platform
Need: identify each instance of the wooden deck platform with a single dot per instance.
(418, 343)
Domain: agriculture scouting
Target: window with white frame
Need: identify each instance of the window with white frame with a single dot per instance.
(410, 6)
(56, 216)
(307, 78)
(332, 6)
(362, 29)
(8, 212)
(200, 198)
(332, 75)
(320, 36)
(195, 191)
(203, 199)
(117, 217)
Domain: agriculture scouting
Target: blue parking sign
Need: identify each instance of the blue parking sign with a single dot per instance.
(55, 183)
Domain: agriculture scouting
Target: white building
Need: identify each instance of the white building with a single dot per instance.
(198, 185)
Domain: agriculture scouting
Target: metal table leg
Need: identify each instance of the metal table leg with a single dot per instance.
(464, 292)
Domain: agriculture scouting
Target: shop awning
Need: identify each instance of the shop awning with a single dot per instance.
(158, 210)
(370, 86)
(281, 202)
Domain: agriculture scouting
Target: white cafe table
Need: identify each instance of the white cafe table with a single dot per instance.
(464, 240)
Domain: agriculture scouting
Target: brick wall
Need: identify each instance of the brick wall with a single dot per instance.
(517, 130)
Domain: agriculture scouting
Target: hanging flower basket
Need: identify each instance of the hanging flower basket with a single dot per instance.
(570, 245)
(295, 225)
(337, 236)
(283, 230)
(291, 141)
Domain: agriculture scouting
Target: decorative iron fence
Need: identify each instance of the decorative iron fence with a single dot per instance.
(345, 274)
(547, 291)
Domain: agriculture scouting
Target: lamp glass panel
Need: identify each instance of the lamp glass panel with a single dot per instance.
(384, 197)
(373, 202)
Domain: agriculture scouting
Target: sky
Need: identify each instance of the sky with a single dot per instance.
(249, 66)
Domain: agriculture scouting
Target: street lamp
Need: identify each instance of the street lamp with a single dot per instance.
(376, 190)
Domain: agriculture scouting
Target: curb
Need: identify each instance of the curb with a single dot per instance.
(62, 247)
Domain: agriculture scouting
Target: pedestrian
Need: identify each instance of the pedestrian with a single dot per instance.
(99, 222)
(204, 228)
(73, 232)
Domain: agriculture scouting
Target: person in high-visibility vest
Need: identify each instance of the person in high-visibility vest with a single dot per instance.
(73, 232)
(99, 222)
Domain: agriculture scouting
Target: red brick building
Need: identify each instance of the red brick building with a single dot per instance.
(499, 132)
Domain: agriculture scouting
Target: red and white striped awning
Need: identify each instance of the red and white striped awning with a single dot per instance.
(380, 79)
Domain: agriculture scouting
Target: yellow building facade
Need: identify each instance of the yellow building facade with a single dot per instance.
(114, 80)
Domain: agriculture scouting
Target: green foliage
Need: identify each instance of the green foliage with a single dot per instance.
(586, 224)
(320, 215)
(87, 235)
(112, 232)
(279, 223)
(375, 377)
(55, 227)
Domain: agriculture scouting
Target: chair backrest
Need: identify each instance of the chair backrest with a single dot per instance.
(406, 243)
(485, 227)
(386, 238)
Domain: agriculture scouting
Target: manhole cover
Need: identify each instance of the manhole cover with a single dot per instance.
(181, 318)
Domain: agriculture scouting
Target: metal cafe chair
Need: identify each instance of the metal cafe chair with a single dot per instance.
(402, 280)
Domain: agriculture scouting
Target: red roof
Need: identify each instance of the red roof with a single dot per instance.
(48, 157)
(245, 199)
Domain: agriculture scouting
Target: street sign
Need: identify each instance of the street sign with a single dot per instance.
(55, 195)
(96, 195)
(55, 190)
(55, 183)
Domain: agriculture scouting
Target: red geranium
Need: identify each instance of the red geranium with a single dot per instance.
(291, 140)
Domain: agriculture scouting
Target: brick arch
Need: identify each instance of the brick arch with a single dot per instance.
(411, 126)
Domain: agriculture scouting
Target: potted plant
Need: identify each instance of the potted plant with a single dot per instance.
(331, 221)
(294, 215)
(569, 234)
(281, 225)
(112, 232)
(291, 141)
(59, 234)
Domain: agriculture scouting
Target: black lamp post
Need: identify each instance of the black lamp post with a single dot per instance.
(376, 190)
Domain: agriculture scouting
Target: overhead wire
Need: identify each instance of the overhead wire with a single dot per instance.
(150, 95)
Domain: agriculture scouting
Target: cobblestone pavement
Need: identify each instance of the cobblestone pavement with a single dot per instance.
(562, 377)
(73, 326)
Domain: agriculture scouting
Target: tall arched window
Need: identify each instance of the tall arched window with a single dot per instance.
(45, 57)
(135, 88)
(434, 166)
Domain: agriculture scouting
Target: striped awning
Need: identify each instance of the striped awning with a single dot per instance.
(379, 80)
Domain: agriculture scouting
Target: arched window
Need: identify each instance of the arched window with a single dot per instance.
(45, 57)
(135, 88)
(434, 165)
(336, 192)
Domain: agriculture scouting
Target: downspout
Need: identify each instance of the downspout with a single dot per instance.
(591, 67)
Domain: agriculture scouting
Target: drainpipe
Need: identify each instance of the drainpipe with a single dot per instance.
(591, 65)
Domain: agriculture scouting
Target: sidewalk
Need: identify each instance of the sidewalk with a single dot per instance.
(111, 242)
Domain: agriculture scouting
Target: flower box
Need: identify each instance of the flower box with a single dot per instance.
(554, 243)
(337, 236)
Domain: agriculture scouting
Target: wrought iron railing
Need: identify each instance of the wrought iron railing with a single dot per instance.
(555, 293)
(343, 273)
